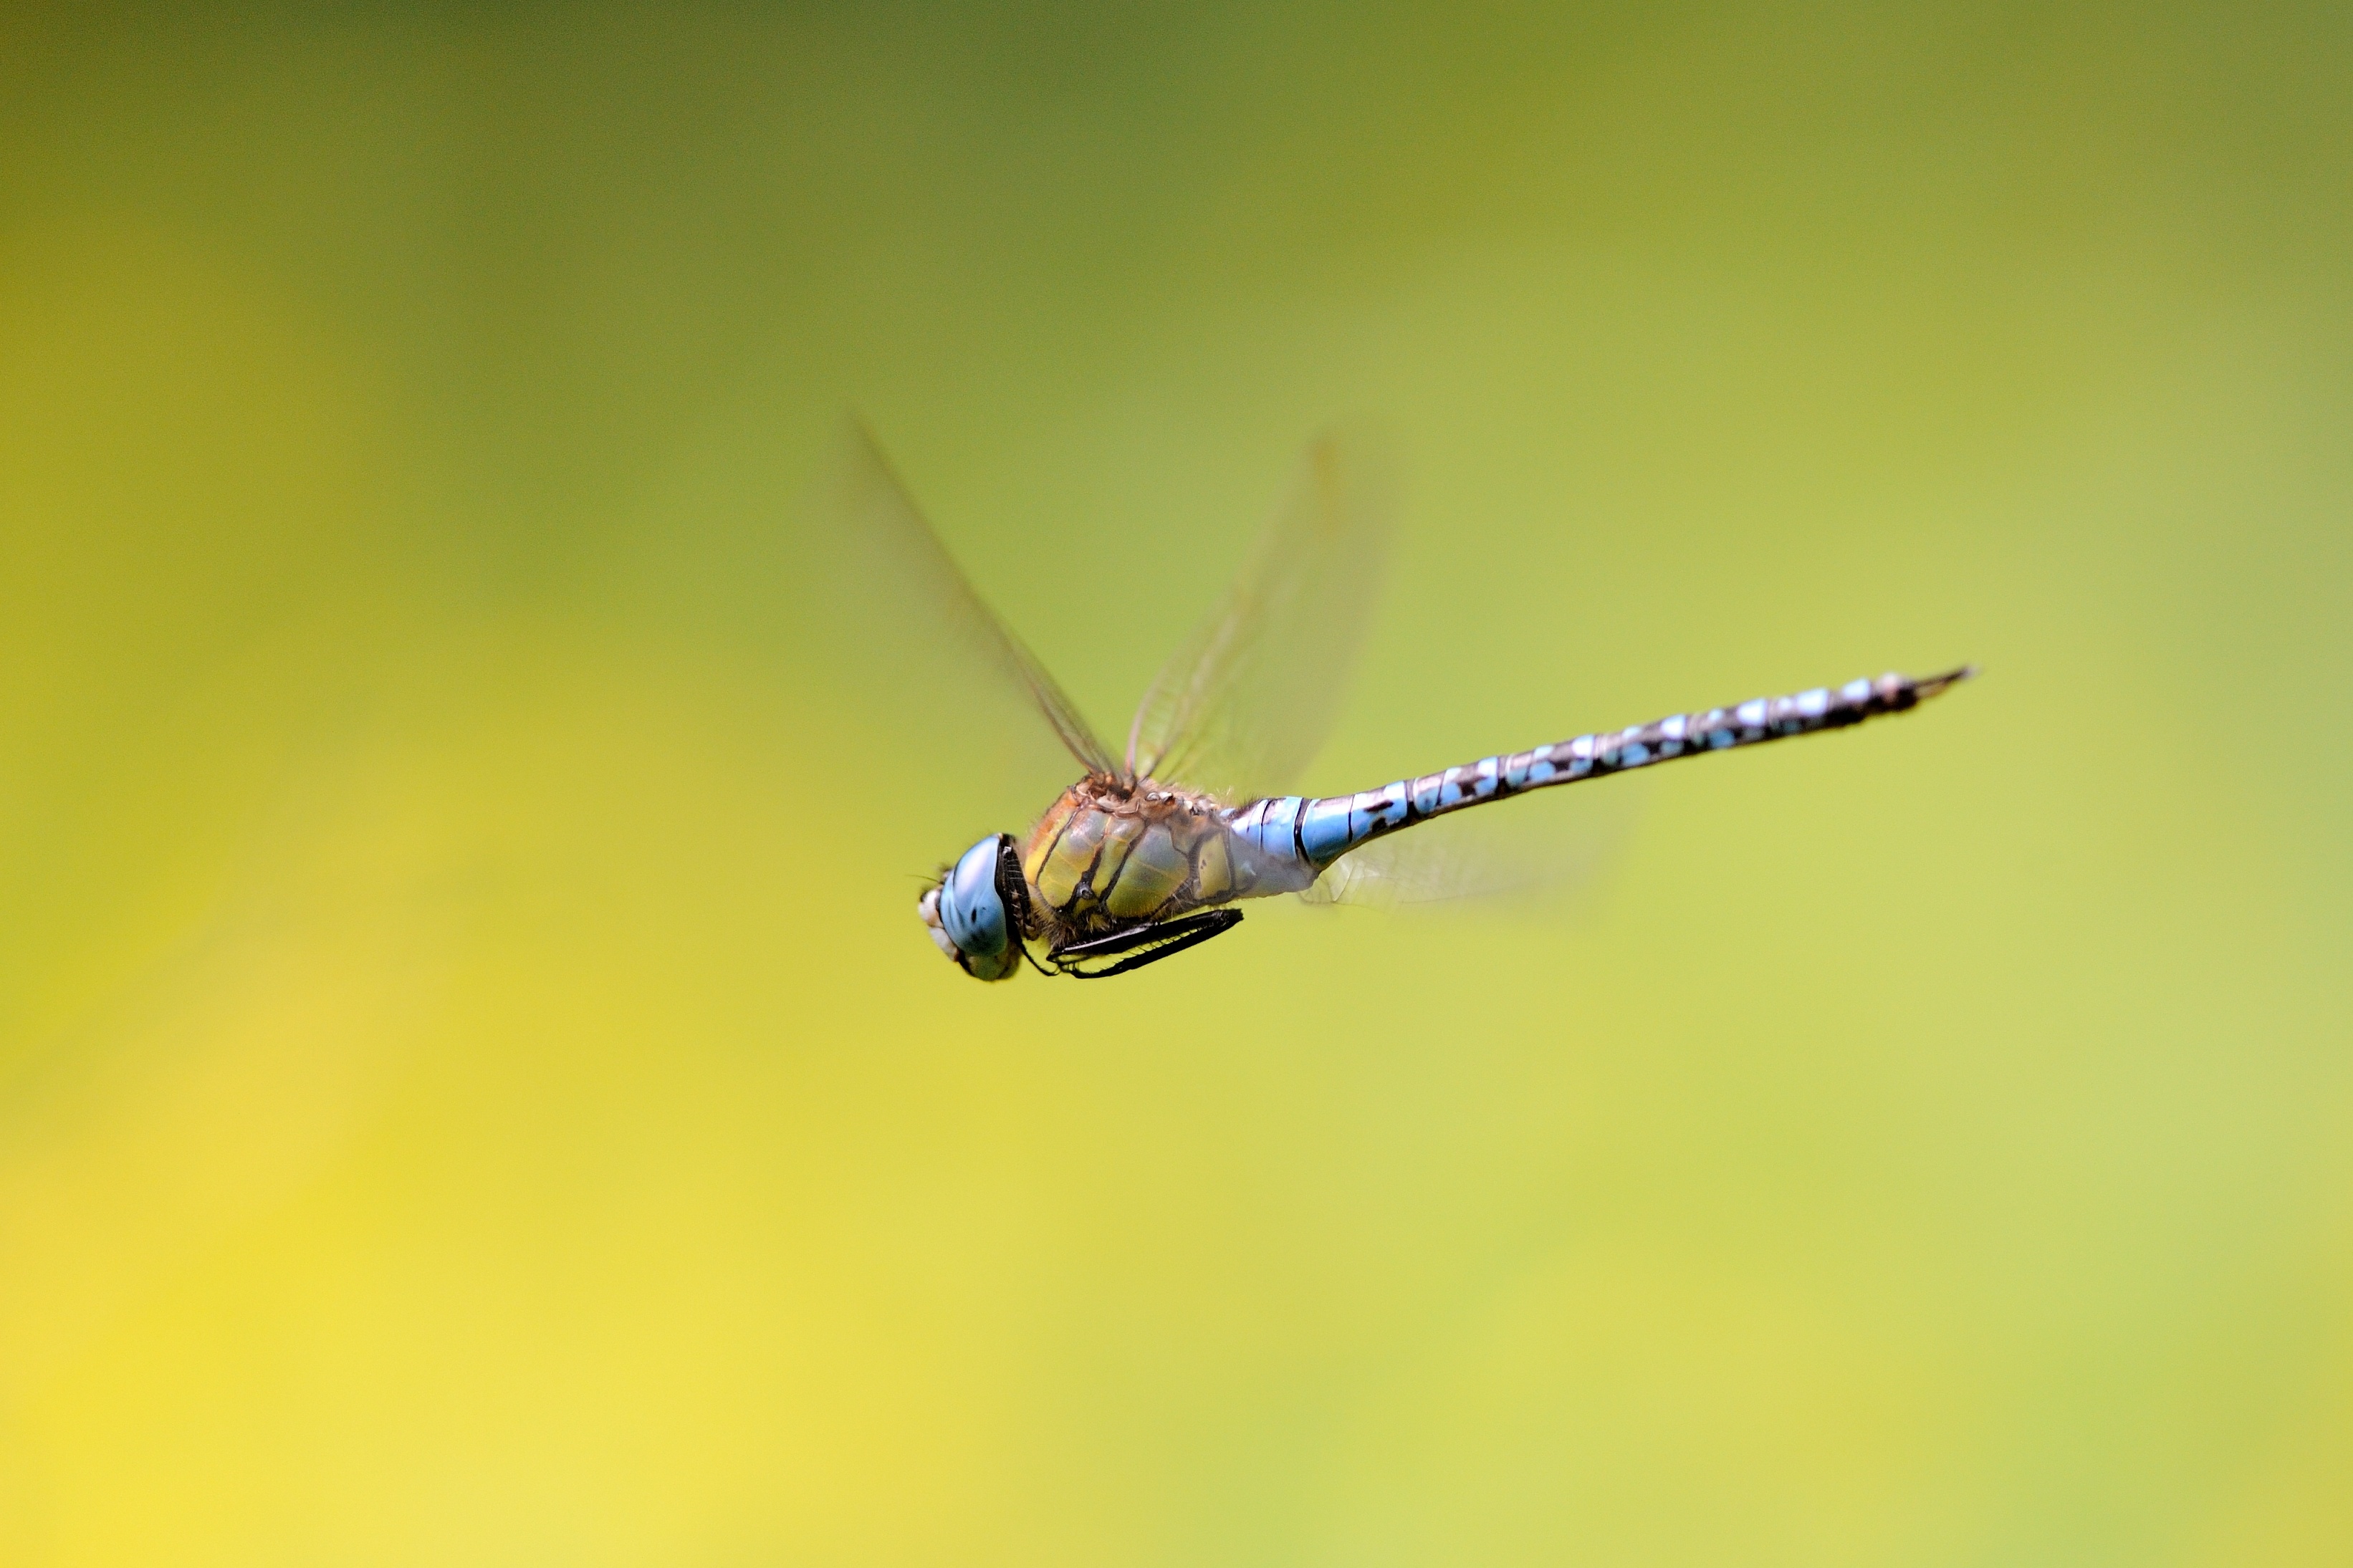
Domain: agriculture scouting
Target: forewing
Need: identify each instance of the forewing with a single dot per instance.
(1247, 700)
(894, 529)
(896, 631)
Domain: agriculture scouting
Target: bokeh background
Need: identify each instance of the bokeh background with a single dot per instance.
(473, 1089)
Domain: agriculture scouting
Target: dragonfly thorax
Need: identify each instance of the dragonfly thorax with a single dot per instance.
(1109, 854)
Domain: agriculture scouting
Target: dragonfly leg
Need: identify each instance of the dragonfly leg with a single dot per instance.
(1146, 943)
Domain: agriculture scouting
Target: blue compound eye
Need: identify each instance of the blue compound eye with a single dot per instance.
(970, 906)
(975, 914)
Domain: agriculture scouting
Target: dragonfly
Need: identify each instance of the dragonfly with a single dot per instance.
(1151, 850)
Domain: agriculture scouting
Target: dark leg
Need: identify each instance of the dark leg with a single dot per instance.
(1143, 933)
(1144, 944)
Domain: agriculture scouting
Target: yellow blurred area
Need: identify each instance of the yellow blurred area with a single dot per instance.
(473, 1087)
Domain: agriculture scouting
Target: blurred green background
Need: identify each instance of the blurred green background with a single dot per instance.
(472, 1086)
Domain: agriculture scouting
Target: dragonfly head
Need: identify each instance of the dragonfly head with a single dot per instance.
(976, 913)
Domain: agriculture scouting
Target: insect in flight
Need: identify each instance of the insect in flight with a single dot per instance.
(1148, 853)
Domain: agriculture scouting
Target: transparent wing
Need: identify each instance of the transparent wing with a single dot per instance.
(1247, 700)
(893, 528)
(944, 704)
(1534, 858)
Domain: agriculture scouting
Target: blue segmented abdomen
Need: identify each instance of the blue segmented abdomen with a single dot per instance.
(1321, 831)
(1265, 839)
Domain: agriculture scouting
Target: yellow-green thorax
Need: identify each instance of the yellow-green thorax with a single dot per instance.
(1108, 855)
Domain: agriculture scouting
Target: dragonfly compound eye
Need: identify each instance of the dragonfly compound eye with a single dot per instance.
(972, 914)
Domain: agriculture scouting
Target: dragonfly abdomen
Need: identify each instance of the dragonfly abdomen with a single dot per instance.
(1325, 829)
